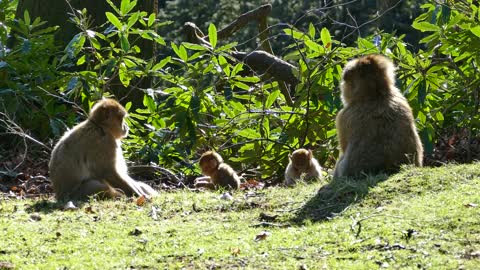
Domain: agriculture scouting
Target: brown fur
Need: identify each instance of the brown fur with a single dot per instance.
(376, 129)
(219, 174)
(88, 159)
(301, 163)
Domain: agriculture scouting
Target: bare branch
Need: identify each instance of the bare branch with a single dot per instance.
(257, 14)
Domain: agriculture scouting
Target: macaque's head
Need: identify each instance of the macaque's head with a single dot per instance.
(209, 162)
(370, 76)
(300, 160)
(110, 115)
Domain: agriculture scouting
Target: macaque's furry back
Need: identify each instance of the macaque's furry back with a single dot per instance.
(376, 128)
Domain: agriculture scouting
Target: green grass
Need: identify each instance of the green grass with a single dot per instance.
(418, 218)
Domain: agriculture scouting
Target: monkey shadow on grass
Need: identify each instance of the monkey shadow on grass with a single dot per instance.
(335, 197)
(47, 206)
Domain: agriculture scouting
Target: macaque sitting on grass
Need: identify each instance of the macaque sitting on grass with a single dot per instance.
(301, 163)
(218, 174)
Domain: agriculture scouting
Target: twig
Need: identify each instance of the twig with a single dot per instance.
(15, 129)
(270, 224)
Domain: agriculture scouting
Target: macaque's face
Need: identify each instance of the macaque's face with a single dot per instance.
(300, 165)
(300, 160)
(209, 166)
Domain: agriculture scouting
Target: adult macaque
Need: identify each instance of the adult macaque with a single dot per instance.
(218, 173)
(302, 163)
(88, 159)
(375, 128)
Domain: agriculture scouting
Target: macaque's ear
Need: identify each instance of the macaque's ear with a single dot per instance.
(290, 157)
(310, 154)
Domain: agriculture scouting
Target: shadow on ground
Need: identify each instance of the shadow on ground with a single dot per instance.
(48, 206)
(44, 206)
(336, 197)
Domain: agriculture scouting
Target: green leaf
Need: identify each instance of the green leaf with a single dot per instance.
(248, 133)
(123, 74)
(128, 106)
(331, 133)
(151, 19)
(311, 31)
(126, 6)
(212, 35)
(238, 67)
(26, 17)
(252, 79)
(81, 60)
(114, 20)
(149, 103)
(422, 117)
(242, 86)
(162, 63)
(183, 53)
(422, 92)
(296, 34)
(266, 127)
(133, 19)
(95, 43)
(237, 106)
(113, 6)
(475, 30)
(124, 43)
(439, 116)
(425, 26)
(326, 38)
(314, 46)
(271, 98)
(227, 47)
(192, 46)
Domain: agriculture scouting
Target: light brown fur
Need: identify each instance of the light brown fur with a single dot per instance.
(218, 173)
(376, 129)
(88, 159)
(301, 163)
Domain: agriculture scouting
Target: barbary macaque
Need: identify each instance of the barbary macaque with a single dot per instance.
(302, 163)
(218, 174)
(375, 128)
(88, 159)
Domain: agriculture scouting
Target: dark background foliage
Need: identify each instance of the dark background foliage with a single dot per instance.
(185, 98)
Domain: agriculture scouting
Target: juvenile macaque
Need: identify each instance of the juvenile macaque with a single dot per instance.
(218, 173)
(88, 159)
(301, 163)
(375, 128)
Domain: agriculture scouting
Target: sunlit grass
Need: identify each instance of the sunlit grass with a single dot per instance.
(425, 218)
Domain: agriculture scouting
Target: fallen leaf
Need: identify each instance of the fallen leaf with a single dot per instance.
(235, 251)
(252, 184)
(89, 210)
(262, 236)
(141, 200)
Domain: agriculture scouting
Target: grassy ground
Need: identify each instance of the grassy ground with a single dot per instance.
(419, 218)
